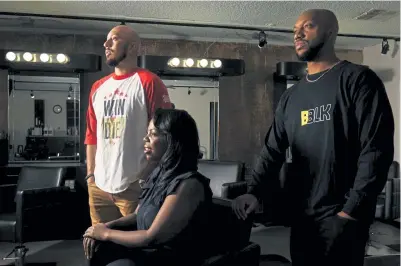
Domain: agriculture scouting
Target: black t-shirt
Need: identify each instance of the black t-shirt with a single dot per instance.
(340, 132)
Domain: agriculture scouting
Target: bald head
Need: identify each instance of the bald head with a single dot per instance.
(122, 45)
(127, 34)
(315, 32)
(326, 19)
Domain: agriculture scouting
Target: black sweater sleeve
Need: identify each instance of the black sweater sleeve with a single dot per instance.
(265, 174)
(375, 124)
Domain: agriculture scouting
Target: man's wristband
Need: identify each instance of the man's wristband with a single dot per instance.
(89, 176)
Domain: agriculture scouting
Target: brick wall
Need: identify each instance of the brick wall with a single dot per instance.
(245, 101)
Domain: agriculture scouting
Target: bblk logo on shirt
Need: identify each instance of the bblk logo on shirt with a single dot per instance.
(315, 115)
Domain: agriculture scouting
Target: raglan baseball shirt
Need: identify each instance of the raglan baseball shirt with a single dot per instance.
(119, 110)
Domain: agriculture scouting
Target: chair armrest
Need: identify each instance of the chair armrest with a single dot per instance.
(234, 189)
(388, 188)
(38, 210)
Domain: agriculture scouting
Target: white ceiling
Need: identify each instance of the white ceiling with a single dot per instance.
(264, 14)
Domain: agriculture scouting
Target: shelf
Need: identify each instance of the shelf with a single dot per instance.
(66, 136)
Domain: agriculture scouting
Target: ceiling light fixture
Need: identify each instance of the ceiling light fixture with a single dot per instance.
(262, 39)
(10, 56)
(203, 63)
(61, 58)
(217, 63)
(27, 57)
(174, 62)
(69, 93)
(385, 46)
(44, 58)
(189, 62)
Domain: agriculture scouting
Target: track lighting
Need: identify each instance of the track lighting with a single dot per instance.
(385, 46)
(69, 93)
(262, 39)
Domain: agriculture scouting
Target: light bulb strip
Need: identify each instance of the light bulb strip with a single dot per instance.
(194, 62)
(30, 57)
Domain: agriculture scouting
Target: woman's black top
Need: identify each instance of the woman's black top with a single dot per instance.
(191, 241)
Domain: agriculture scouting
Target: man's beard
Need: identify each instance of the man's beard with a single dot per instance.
(311, 54)
(117, 60)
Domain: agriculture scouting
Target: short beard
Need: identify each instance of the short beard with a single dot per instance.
(116, 61)
(311, 53)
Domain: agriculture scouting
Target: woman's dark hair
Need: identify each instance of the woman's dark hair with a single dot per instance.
(179, 134)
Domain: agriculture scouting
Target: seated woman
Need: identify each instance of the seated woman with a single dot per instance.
(171, 219)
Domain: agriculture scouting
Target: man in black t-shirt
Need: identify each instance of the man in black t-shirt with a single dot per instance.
(339, 125)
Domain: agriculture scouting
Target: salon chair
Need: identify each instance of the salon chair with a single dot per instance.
(228, 243)
(388, 202)
(226, 177)
(41, 213)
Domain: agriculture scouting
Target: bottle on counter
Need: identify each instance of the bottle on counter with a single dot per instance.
(45, 131)
(50, 131)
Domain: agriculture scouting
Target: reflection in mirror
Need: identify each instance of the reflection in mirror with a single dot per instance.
(43, 118)
(39, 112)
(200, 99)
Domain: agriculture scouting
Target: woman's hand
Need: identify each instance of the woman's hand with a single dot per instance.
(99, 232)
(90, 247)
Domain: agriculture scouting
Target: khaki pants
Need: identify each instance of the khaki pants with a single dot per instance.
(105, 207)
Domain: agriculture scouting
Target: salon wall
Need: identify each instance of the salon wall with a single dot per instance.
(245, 101)
(387, 68)
(3, 100)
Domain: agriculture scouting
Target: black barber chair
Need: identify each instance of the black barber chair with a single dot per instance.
(226, 178)
(230, 243)
(388, 202)
(40, 213)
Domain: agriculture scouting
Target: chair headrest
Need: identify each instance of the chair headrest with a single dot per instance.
(220, 172)
(394, 171)
(37, 177)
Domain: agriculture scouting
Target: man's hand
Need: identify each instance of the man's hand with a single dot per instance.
(90, 247)
(244, 205)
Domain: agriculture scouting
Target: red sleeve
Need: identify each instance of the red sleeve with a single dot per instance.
(91, 122)
(156, 93)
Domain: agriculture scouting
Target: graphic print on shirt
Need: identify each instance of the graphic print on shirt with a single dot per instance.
(315, 115)
(114, 119)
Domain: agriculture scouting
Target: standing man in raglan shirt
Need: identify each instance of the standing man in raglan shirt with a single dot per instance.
(340, 127)
(120, 107)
